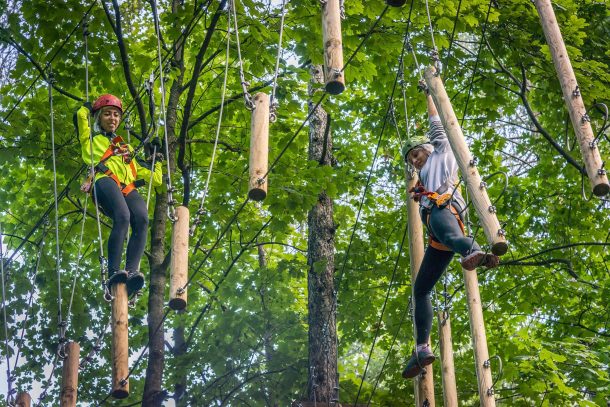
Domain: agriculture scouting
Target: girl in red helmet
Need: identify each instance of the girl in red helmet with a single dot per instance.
(117, 176)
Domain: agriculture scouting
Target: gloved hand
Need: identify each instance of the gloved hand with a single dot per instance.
(156, 142)
(158, 157)
(89, 106)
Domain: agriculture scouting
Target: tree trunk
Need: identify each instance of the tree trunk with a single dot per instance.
(323, 376)
(153, 395)
(179, 351)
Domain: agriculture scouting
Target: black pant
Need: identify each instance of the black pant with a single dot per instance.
(124, 211)
(443, 225)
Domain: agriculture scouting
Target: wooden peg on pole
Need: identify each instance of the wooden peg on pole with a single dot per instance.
(69, 385)
(447, 365)
(259, 147)
(333, 47)
(23, 400)
(467, 163)
(120, 346)
(572, 96)
(479, 339)
(424, 383)
(395, 3)
(179, 262)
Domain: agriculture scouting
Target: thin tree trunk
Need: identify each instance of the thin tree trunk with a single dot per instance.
(323, 377)
(179, 351)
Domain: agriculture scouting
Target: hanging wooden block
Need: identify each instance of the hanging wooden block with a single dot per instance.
(333, 47)
(396, 3)
(120, 346)
(23, 400)
(179, 264)
(467, 163)
(69, 385)
(259, 147)
(571, 94)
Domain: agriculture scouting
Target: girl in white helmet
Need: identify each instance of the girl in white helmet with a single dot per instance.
(441, 207)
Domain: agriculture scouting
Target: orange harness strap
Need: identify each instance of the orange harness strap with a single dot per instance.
(432, 240)
(117, 147)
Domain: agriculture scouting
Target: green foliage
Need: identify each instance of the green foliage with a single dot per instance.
(246, 324)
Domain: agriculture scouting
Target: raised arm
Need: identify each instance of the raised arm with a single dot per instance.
(436, 134)
(431, 106)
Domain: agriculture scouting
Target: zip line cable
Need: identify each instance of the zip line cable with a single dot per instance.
(201, 211)
(274, 104)
(60, 323)
(171, 212)
(9, 378)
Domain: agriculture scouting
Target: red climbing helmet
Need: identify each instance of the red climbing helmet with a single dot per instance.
(107, 100)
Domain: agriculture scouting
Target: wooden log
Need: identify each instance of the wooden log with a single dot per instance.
(179, 262)
(573, 98)
(120, 346)
(479, 339)
(23, 400)
(395, 3)
(424, 394)
(467, 163)
(259, 147)
(333, 47)
(69, 386)
(447, 365)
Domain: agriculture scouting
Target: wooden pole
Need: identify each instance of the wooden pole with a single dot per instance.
(572, 96)
(424, 394)
(69, 386)
(333, 47)
(120, 347)
(259, 147)
(23, 400)
(447, 366)
(478, 194)
(179, 262)
(395, 3)
(479, 339)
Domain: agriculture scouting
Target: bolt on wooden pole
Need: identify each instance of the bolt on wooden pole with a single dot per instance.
(120, 346)
(479, 339)
(259, 147)
(333, 47)
(467, 163)
(424, 394)
(573, 98)
(179, 261)
(447, 365)
(69, 385)
(23, 400)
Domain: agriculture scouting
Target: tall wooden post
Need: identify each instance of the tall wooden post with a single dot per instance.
(333, 47)
(572, 96)
(120, 347)
(447, 365)
(467, 163)
(179, 261)
(479, 339)
(69, 386)
(424, 394)
(23, 400)
(259, 147)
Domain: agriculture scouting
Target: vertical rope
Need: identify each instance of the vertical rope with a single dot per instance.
(244, 83)
(8, 364)
(201, 211)
(171, 213)
(60, 323)
(274, 103)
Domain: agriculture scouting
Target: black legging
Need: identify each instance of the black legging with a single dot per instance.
(446, 229)
(124, 211)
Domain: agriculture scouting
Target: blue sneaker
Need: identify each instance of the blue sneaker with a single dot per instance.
(417, 362)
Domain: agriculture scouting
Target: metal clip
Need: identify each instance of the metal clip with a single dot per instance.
(502, 232)
(483, 185)
(123, 382)
(593, 145)
(576, 91)
(180, 291)
(585, 118)
(260, 181)
(473, 161)
(492, 209)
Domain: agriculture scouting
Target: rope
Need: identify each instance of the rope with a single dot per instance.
(171, 212)
(273, 106)
(201, 210)
(60, 323)
(385, 302)
(434, 53)
(7, 348)
(244, 84)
